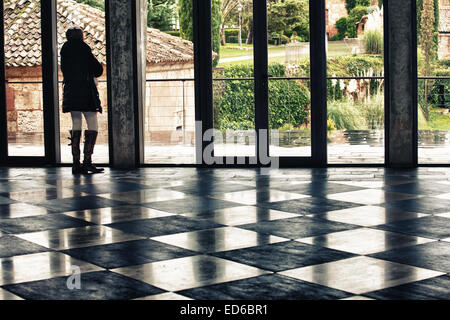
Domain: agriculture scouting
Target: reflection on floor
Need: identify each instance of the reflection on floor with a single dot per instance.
(163, 233)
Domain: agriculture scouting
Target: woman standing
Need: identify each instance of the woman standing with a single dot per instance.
(80, 96)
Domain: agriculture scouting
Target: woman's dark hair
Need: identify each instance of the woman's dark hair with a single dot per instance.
(74, 33)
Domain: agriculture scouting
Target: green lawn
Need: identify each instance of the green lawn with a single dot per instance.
(232, 50)
(439, 120)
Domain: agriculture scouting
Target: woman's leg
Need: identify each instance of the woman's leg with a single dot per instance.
(90, 136)
(76, 120)
(75, 137)
(91, 120)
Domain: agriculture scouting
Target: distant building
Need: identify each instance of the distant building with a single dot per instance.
(444, 29)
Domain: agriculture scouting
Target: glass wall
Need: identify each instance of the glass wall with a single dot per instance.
(433, 38)
(355, 85)
(233, 85)
(24, 78)
(91, 19)
(169, 115)
(289, 72)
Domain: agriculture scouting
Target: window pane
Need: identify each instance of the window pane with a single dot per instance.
(289, 85)
(24, 78)
(433, 35)
(233, 85)
(169, 115)
(355, 87)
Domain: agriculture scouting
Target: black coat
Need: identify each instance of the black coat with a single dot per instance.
(79, 67)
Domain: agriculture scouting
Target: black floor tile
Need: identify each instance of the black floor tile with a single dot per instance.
(295, 228)
(5, 200)
(109, 187)
(12, 246)
(428, 205)
(436, 288)
(20, 210)
(128, 253)
(284, 256)
(40, 223)
(433, 227)
(267, 287)
(420, 187)
(79, 203)
(21, 185)
(191, 204)
(309, 205)
(433, 255)
(318, 189)
(163, 226)
(206, 189)
(101, 285)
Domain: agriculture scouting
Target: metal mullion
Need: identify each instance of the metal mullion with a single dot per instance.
(261, 76)
(318, 73)
(139, 63)
(415, 86)
(50, 81)
(202, 74)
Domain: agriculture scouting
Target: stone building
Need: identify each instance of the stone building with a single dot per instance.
(335, 9)
(444, 29)
(169, 105)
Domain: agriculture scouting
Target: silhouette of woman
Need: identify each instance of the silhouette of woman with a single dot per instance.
(80, 96)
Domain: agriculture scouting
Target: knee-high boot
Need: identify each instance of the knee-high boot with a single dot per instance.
(75, 137)
(90, 137)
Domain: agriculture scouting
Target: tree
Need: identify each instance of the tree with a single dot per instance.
(227, 8)
(161, 14)
(99, 4)
(427, 45)
(185, 15)
(216, 22)
(288, 16)
(436, 21)
(350, 4)
(354, 17)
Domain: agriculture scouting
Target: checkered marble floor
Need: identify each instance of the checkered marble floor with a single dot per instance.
(185, 233)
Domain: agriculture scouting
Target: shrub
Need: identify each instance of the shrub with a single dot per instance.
(341, 26)
(232, 35)
(374, 112)
(354, 17)
(234, 99)
(373, 41)
(440, 87)
(346, 115)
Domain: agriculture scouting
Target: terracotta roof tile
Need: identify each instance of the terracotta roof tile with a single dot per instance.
(23, 34)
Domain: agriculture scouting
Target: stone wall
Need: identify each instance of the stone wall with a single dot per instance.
(444, 28)
(170, 105)
(335, 9)
(163, 113)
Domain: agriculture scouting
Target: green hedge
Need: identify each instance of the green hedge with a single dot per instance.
(435, 92)
(289, 100)
(232, 35)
